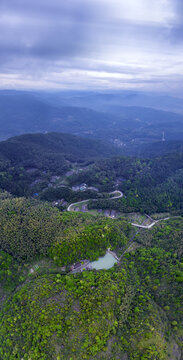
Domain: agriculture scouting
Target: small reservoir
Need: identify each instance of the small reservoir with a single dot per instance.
(105, 262)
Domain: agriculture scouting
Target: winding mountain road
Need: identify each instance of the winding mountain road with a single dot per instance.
(151, 225)
(118, 195)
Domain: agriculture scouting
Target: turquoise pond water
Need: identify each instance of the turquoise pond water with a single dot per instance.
(105, 262)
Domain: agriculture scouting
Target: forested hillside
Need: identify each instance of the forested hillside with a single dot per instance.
(50, 165)
(36, 157)
(149, 185)
(49, 310)
(133, 311)
(152, 149)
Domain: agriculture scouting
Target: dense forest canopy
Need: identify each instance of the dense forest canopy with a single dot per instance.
(25, 158)
(133, 311)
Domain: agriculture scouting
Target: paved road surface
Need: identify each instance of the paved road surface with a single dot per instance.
(151, 225)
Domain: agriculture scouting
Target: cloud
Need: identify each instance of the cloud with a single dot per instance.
(43, 30)
(91, 44)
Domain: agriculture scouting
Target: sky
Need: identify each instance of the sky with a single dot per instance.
(92, 44)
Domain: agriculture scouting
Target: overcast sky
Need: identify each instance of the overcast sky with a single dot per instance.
(92, 44)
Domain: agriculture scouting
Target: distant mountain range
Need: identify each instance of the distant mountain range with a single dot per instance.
(99, 101)
(123, 126)
(24, 113)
